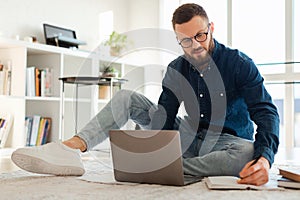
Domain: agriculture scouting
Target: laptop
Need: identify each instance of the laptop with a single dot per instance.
(148, 156)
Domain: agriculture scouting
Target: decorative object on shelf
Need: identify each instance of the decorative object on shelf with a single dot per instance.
(61, 37)
(30, 39)
(117, 42)
(110, 71)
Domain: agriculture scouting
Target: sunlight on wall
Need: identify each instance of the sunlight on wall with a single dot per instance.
(106, 23)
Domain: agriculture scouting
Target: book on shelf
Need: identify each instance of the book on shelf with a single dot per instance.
(30, 81)
(230, 183)
(46, 82)
(38, 81)
(6, 121)
(5, 78)
(37, 130)
(28, 127)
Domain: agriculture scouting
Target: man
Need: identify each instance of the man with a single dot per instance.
(223, 94)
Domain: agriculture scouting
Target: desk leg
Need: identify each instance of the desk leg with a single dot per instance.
(61, 135)
(111, 88)
(76, 109)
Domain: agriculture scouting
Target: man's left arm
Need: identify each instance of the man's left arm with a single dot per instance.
(264, 113)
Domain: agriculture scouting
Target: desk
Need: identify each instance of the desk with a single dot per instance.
(86, 80)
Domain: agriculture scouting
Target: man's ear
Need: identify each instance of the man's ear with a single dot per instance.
(212, 27)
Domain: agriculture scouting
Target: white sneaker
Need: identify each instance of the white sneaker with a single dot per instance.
(52, 158)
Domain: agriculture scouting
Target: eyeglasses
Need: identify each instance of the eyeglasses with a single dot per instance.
(199, 37)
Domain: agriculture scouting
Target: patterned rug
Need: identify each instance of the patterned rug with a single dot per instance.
(25, 185)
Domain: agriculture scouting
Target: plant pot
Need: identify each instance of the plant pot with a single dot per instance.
(110, 74)
(104, 92)
(115, 51)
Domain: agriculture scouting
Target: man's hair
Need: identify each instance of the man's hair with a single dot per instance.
(186, 12)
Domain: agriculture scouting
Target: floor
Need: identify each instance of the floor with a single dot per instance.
(14, 184)
(283, 157)
(6, 165)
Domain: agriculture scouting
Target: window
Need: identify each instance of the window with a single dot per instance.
(259, 31)
(277, 91)
(297, 35)
(297, 69)
(297, 115)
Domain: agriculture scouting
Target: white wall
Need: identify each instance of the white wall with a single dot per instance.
(143, 14)
(25, 18)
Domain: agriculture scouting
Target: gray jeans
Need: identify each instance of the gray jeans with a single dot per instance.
(205, 153)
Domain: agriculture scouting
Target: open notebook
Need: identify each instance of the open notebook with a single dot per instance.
(230, 183)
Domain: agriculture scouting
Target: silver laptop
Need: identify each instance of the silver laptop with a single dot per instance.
(148, 156)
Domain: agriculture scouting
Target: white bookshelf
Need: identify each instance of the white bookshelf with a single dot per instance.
(64, 62)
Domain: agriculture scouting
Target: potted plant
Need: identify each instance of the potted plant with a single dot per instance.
(104, 90)
(110, 71)
(117, 42)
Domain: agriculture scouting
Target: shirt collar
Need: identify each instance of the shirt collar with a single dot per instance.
(215, 52)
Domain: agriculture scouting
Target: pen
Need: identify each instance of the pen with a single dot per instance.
(255, 161)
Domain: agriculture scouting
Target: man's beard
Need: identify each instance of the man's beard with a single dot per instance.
(201, 62)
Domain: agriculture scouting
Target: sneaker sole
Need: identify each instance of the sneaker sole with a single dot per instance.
(36, 165)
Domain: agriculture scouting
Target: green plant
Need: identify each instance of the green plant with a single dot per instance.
(110, 71)
(117, 42)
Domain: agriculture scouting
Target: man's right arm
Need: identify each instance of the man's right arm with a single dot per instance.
(169, 101)
(164, 117)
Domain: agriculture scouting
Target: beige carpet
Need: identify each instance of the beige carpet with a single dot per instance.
(24, 185)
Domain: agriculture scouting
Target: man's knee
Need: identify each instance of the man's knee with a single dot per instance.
(124, 93)
(247, 150)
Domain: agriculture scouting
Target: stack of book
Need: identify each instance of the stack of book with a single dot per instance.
(37, 130)
(38, 81)
(290, 177)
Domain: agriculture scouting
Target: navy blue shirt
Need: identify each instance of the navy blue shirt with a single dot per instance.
(229, 93)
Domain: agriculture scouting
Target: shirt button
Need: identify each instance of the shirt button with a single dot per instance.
(200, 137)
(201, 75)
(201, 115)
(221, 94)
(201, 95)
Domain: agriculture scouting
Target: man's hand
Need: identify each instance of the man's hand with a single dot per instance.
(257, 174)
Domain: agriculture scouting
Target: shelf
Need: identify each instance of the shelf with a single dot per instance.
(80, 100)
(11, 97)
(38, 48)
(42, 98)
(103, 101)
